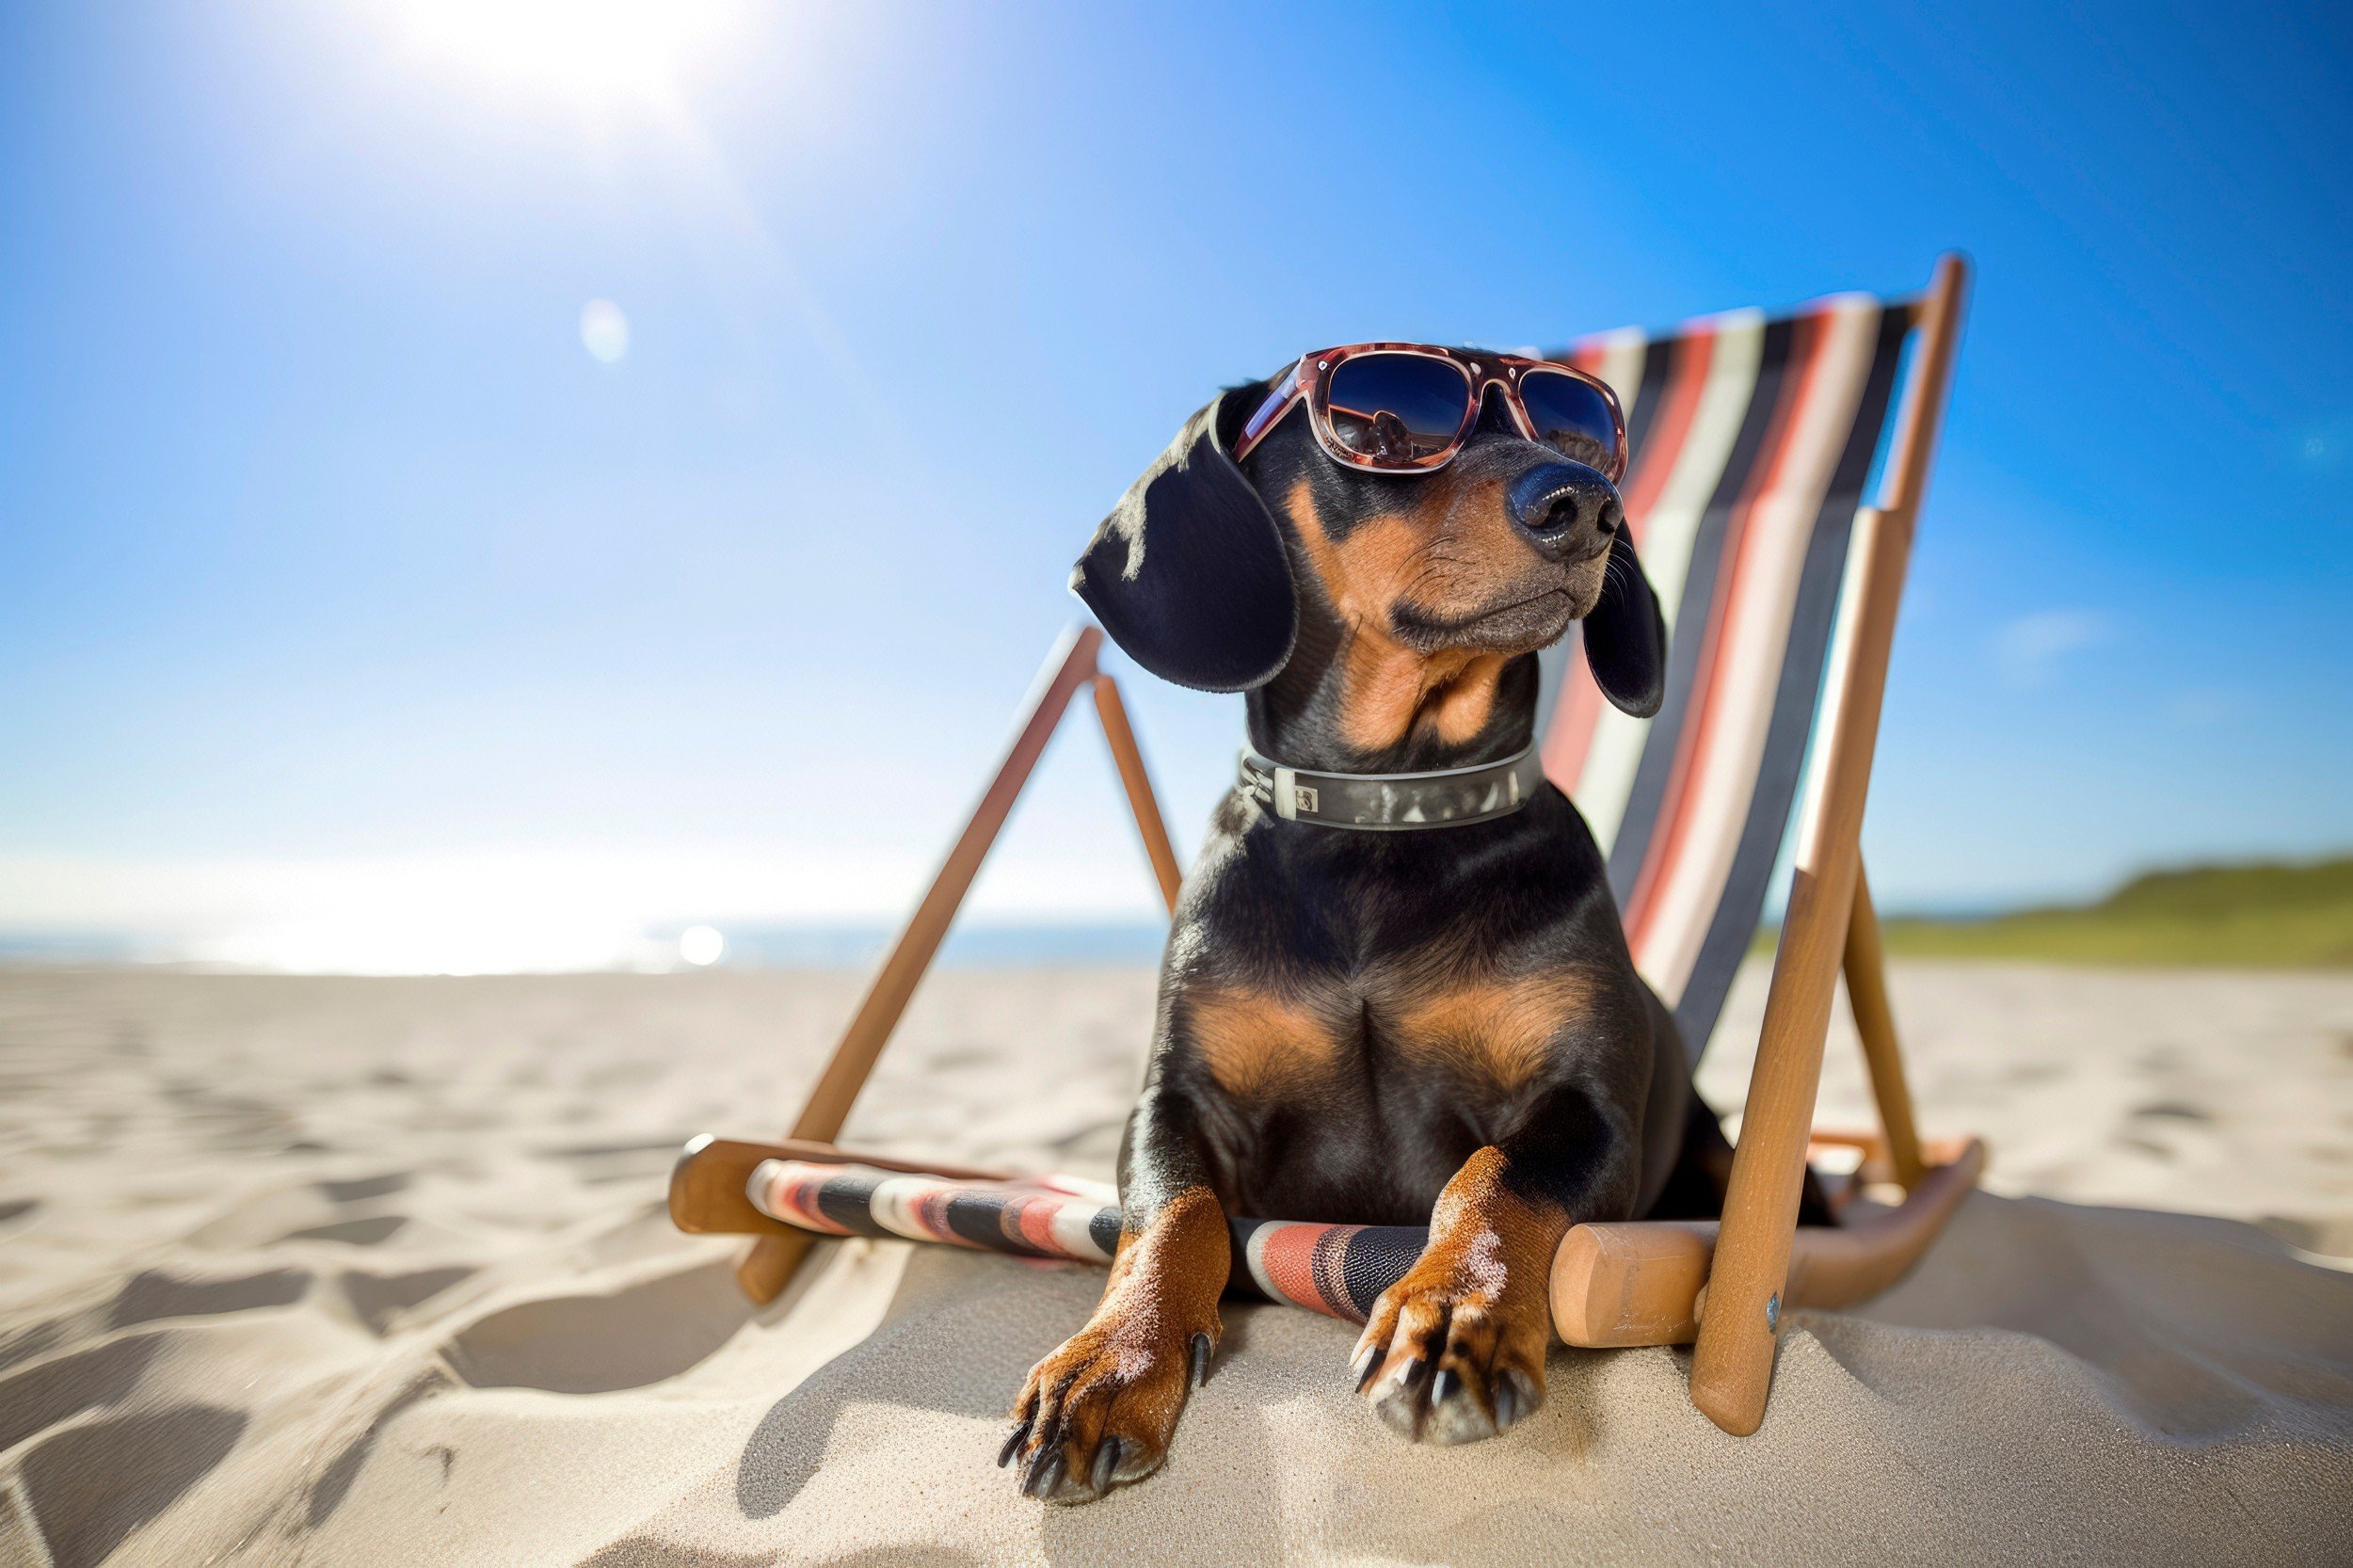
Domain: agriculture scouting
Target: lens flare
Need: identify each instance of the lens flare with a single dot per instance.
(592, 52)
(700, 945)
(604, 331)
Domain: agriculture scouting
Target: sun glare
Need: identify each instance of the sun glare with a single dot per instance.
(594, 52)
(604, 330)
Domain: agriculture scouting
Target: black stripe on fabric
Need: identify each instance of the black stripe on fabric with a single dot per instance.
(1797, 700)
(1103, 1230)
(1709, 551)
(1659, 354)
(1377, 1257)
(848, 1201)
(1239, 1281)
(979, 1218)
(1658, 357)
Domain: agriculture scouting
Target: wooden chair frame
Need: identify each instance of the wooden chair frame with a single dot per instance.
(1725, 1284)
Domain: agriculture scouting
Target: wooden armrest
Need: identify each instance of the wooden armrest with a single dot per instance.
(1646, 1283)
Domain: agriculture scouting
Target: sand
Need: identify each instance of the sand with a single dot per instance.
(376, 1272)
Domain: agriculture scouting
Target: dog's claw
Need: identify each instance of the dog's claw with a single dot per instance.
(1106, 1460)
(1444, 1388)
(1513, 1398)
(1013, 1443)
(1045, 1472)
(1367, 1364)
(1201, 1350)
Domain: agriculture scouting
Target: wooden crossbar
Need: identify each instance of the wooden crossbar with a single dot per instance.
(1612, 1286)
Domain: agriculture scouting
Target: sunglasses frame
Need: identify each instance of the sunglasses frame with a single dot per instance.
(1310, 380)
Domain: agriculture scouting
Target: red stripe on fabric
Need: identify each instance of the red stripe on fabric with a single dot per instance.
(1679, 401)
(1331, 1258)
(798, 1197)
(1810, 338)
(1587, 356)
(1570, 737)
(930, 1210)
(1033, 1219)
(1288, 1257)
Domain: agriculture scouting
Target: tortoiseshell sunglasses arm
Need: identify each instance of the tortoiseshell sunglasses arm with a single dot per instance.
(1293, 386)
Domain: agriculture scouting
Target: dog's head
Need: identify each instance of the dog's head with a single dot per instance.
(1214, 575)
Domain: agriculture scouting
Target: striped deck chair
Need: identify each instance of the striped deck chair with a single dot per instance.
(1753, 440)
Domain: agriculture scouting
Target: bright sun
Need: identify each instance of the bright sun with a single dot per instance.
(594, 52)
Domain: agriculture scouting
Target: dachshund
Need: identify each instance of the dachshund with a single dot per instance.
(1438, 1027)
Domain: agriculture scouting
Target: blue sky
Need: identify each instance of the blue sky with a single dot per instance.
(345, 592)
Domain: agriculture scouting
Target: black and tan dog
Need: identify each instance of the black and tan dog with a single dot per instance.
(1385, 1028)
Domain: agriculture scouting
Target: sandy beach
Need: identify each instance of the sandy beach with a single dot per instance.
(377, 1272)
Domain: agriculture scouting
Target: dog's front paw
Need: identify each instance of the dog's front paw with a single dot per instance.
(1446, 1361)
(1455, 1350)
(1098, 1411)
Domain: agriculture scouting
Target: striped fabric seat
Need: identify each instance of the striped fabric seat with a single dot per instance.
(1339, 1270)
(1753, 440)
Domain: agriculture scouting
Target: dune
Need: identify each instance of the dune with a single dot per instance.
(377, 1272)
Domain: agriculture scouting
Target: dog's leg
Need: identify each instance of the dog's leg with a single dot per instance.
(1455, 1350)
(1100, 1410)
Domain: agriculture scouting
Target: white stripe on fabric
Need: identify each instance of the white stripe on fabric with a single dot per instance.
(1255, 1253)
(786, 1191)
(1073, 1230)
(1669, 533)
(1754, 640)
(894, 1207)
(1837, 676)
(762, 1186)
(1619, 362)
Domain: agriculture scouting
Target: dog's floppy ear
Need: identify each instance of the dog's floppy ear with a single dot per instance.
(1188, 573)
(1625, 636)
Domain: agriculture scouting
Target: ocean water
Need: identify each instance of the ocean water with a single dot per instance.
(973, 945)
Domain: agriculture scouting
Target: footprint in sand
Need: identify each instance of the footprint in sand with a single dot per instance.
(638, 1335)
(380, 1298)
(370, 1232)
(365, 1188)
(90, 1486)
(156, 1294)
(46, 1395)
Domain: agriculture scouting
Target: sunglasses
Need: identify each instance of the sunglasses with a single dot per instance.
(1407, 407)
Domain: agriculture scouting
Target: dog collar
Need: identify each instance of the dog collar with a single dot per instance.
(1393, 802)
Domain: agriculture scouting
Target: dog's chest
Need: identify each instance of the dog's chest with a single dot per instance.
(1355, 1096)
(1368, 1010)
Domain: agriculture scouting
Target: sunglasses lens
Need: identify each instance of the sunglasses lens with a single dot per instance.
(1398, 408)
(1572, 417)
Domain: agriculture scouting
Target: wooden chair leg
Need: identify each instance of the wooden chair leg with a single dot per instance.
(1141, 800)
(1732, 1364)
(1874, 1021)
(767, 1267)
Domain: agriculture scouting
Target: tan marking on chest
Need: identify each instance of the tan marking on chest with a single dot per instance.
(1255, 1042)
(1497, 1029)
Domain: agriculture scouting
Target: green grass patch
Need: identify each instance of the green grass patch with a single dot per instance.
(2264, 916)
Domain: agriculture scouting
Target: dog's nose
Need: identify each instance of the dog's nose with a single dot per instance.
(1567, 510)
